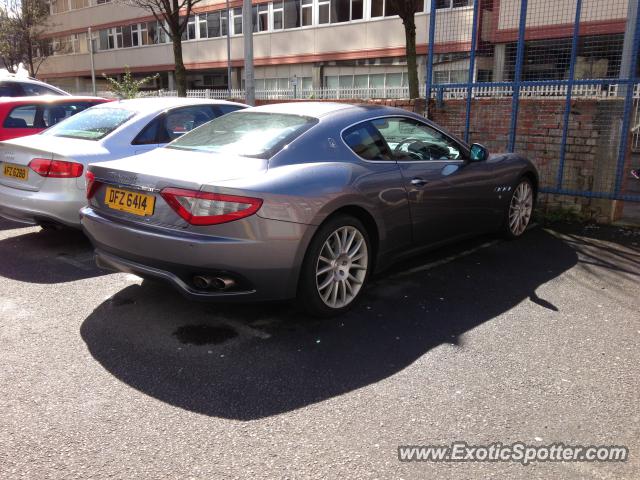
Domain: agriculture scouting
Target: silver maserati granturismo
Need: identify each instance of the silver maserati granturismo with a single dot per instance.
(302, 200)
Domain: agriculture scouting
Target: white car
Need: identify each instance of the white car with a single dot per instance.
(16, 85)
(42, 176)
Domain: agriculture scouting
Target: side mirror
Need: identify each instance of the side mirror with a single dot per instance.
(478, 153)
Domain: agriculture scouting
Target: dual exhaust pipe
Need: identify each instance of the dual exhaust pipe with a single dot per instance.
(206, 282)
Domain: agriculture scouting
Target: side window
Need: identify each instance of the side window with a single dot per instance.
(409, 139)
(21, 117)
(31, 89)
(149, 134)
(53, 114)
(10, 89)
(182, 120)
(366, 142)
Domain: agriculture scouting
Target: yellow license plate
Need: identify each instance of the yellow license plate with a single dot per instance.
(15, 171)
(130, 202)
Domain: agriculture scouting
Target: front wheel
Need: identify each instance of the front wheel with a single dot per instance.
(519, 210)
(335, 268)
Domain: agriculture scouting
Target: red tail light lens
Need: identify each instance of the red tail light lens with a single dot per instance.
(202, 208)
(92, 185)
(56, 168)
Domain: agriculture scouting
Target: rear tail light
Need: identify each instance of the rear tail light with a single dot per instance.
(202, 208)
(56, 168)
(92, 184)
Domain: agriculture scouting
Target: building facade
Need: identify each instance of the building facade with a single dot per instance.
(332, 43)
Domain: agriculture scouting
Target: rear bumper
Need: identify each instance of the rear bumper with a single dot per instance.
(42, 206)
(262, 256)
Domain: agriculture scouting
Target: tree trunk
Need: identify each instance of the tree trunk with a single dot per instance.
(412, 67)
(181, 72)
(29, 53)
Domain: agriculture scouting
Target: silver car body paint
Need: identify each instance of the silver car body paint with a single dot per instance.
(308, 180)
(59, 200)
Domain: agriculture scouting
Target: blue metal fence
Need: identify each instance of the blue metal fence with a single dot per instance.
(601, 56)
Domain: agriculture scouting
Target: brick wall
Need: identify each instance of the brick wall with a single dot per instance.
(591, 154)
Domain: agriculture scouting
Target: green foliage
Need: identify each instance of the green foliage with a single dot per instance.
(128, 87)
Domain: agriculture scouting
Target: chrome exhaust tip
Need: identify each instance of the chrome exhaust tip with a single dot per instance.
(201, 282)
(222, 283)
(205, 282)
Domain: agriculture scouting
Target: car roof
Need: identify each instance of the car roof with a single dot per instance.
(50, 99)
(308, 109)
(15, 78)
(154, 104)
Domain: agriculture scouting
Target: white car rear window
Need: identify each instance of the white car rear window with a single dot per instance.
(92, 124)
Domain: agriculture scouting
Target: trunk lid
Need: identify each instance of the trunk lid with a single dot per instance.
(147, 174)
(17, 154)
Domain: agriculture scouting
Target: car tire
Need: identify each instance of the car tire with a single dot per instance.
(336, 267)
(519, 210)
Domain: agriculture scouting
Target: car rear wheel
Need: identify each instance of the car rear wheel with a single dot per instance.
(519, 210)
(336, 267)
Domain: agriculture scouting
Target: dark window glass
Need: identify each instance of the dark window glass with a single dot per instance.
(366, 142)
(412, 140)
(357, 9)
(340, 11)
(237, 21)
(213, 24)
(33, 89)
(291, 13)
(307, 12)
(21, 117)
(149, 134)
(377, 7)
(323, 13)
(443, 3)
(182, 120)
(126, 36)
(10, 89)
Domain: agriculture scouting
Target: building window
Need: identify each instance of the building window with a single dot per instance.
(385, 8)
(323, 11)
(260, 17)
(451, 76)
(453, 3)
(126, 36)
(237, 21)
(202, 25)
(306, 12)
(190, 31)
(291, 13)
(278, 15)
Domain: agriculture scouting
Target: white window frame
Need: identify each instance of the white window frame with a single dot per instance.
(310, 6)
(233, 20)
(272, 15)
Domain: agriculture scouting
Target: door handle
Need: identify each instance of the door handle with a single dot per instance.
(419, 182)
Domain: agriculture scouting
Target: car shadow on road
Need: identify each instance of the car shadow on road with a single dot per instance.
(48, 256)
(271, 359)
(11, 225)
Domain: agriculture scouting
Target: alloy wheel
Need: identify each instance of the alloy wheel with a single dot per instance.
(342, 265)
(520, 208)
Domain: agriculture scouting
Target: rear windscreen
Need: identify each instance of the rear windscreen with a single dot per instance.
(92, 124)
(247, 134)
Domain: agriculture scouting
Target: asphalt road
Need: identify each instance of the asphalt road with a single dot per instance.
(106, 376)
